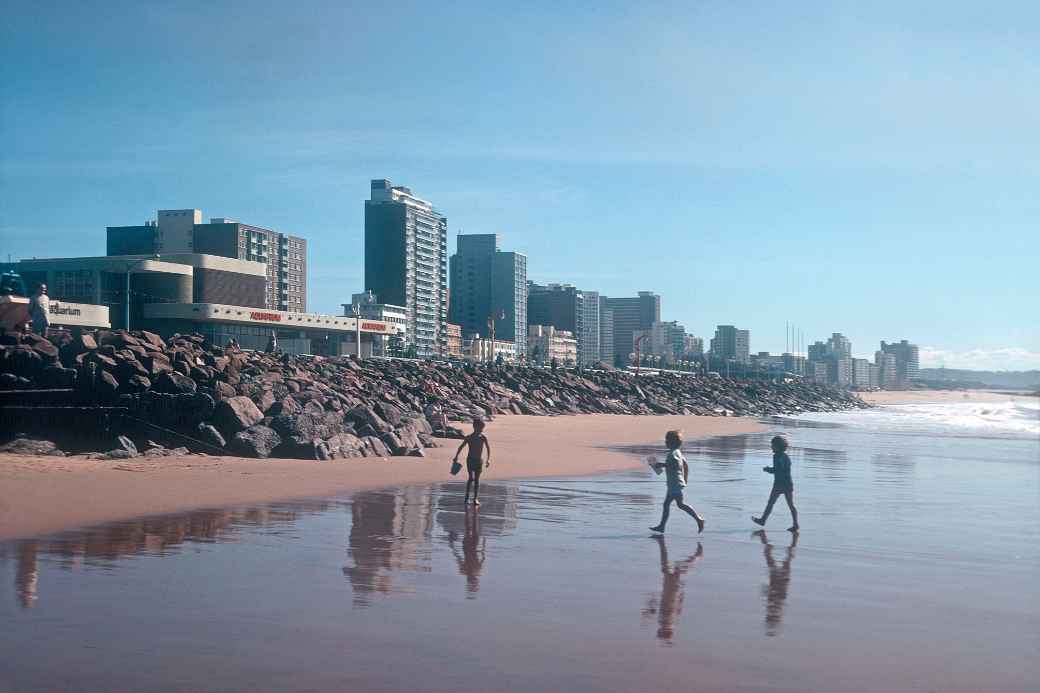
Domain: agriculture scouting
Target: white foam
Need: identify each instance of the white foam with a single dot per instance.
(1015, 417)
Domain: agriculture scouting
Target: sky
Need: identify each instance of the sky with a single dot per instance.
(864, 168)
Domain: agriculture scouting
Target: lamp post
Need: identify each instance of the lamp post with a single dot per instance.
(126, 295)
(356, 309)
(639, 339)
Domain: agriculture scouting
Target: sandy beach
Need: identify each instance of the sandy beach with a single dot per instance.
(47, 494)
(883, 397)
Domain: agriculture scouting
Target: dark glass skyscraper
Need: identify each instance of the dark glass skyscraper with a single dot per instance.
(486, 283)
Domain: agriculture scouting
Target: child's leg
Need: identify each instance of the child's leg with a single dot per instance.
(476, 485)
(681, 503)
(664, 513)
(469, 483)
(773, 495)
(789, 497)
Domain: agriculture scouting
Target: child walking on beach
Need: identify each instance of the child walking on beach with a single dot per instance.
(476, 441)
(677, 472)
(783, 485)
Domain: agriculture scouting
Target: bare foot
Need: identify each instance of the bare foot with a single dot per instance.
(658, 528)
(700, 525)
(476, 502)
(759, 521)
(793, 528)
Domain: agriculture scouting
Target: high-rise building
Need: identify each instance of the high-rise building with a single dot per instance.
(693, 347)
(731, 343)
(568, 308)
(663, 339)
(406, 263)
(606, 331)
(839, 346)
(861, 372)
(178, 231)
(907, 361)
(817, 352)
(487, 284)
(886, 365)
(631, 314)
(589, 338)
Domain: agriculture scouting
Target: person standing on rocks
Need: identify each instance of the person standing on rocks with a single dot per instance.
(783, 485)
(40, 311)
(677, 472)
(475, 464)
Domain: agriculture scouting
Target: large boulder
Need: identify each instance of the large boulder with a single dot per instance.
(256, 441)
(235, 414)
(309, 426)
(174, 383)
(364, 414)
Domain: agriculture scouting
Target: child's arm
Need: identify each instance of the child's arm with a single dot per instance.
(461, 445)
(768, 469)
(488, 446)
(685, 471)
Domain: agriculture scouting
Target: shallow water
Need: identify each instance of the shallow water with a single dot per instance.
(917, 569)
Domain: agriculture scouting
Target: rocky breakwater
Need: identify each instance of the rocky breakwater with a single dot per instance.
(262, 405)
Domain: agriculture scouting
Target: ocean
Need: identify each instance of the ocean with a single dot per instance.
(917, 568)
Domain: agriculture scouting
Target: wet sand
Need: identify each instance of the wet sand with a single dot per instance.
(916, 570)
(48, 494)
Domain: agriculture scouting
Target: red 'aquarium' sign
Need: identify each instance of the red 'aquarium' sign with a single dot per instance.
(270, 317)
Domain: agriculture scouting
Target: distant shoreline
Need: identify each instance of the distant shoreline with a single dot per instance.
(939, 396)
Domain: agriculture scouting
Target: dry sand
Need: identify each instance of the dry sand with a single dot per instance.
(937, 396)
(46, 494)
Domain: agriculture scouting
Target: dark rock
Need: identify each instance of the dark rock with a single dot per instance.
(223, 390)
(256, 441)
(374, 447)
(174, 383)
(235, 414)
(106, 386)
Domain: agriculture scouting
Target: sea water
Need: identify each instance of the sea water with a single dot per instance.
(917, 568)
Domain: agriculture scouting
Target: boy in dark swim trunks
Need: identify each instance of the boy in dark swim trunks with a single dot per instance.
(677, 471)
(476, 441)
(783, 485)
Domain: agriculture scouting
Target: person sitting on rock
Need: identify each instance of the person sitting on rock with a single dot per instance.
(476, 441)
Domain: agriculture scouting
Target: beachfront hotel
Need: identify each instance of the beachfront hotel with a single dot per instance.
(180, 231)
(406, 249)
(568, 308)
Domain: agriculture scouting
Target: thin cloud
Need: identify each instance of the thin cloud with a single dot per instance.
(1005, 359)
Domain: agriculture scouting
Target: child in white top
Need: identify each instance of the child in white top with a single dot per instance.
(677, 472)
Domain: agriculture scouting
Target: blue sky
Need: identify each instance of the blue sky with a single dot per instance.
(868, 168)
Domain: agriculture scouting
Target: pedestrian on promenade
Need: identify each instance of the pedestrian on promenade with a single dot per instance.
(677, 472)
(475, 463)
(783, 485)
(40, 311)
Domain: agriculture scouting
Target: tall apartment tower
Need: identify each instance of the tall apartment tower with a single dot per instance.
(631, 314)
(488, 283)
(731, 343)
(606, 331)
(406, 262)
(178, 231)
(589, 342)
(839, 346)
(907, 361)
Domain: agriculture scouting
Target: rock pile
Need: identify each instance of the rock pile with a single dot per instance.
(262, 405)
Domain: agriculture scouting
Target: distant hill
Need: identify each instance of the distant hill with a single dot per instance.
(1024, 380)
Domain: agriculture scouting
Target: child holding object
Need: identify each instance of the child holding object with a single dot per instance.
(783, 485)
(676, 473)
(476, 441)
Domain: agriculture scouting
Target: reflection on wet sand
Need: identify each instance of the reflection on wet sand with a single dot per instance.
(823, 463)
(391, 533)
(667, 605)
(779, 581)
(164, 535)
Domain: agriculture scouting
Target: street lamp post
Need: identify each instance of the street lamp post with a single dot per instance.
(356, 309)
(639, 339)
(126, 295)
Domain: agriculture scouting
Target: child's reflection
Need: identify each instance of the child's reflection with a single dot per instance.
(668, 604)
(779, 581)
(474, 551)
